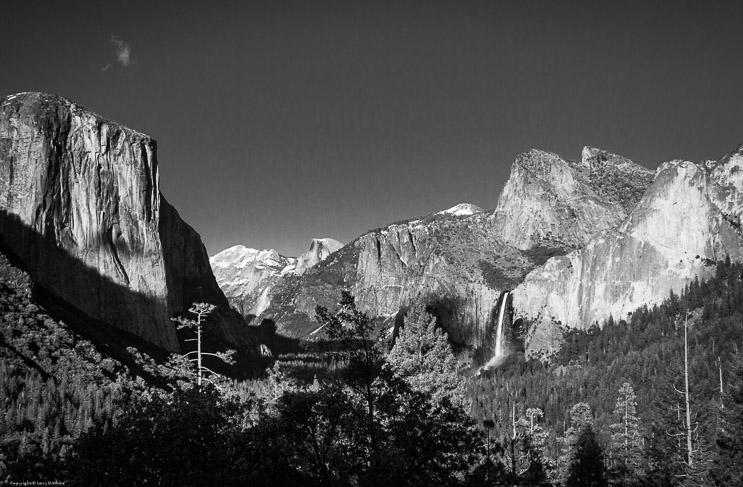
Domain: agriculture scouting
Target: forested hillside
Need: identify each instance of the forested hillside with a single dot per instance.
(608, 409)
(55, 384)
(646, 351)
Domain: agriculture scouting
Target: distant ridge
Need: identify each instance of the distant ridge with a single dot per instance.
(247, 276)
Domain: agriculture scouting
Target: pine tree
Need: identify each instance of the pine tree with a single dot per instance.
(399, 435)
(423, 357)
(728, 468)
(626, 440)
(696, 458)
(581, 418)
(586, 468)
(534, 466)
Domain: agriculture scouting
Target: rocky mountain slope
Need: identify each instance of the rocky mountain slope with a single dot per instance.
(248, 276)
(80, 207)
(688, 219)
(557, 203)
(461, 260)
(320, 249)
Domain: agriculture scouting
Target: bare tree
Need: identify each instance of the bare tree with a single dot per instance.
(201, 311)
(695, 457)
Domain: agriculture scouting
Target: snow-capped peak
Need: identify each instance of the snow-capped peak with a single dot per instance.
(240, 256)
(462, 209)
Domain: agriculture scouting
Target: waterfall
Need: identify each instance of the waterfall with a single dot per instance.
(499, 330)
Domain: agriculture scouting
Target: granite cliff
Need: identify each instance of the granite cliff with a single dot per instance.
(80, 207)
(688, 219)
(320, 249)
(461, 260)
(455, 263)
(440, 258)
(557, 203)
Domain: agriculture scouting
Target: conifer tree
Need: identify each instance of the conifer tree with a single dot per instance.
(696, 458)
(586, 468)
(400, 436)
(535, 443)
(423, 357)
(728, 468)
(626, 439)
(581, 418)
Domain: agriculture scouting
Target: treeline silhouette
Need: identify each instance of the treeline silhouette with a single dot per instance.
(605, 410)
(55, 384)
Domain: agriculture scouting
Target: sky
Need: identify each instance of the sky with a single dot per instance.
(280, 121)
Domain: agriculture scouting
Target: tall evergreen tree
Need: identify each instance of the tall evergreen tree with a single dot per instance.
(586, 468)
(581, 419)
(728, 468)
(534, 466)
(423, 357)
(626, 439)
(401, 435)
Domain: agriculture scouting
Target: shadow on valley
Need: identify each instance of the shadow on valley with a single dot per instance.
(126, 318)
(276, 343)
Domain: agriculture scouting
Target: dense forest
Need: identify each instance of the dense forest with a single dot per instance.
(612, 407)
(640, 361)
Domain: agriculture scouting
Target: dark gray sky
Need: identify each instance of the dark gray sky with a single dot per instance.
(280, 121)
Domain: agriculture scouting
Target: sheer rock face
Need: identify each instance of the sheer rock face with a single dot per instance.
(552, 202)
(688, 219)
(439, 259)
(460, 261)
(409, 261)
(320, 249)
(80, 206)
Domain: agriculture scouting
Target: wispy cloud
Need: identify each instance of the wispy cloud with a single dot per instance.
(123, 52)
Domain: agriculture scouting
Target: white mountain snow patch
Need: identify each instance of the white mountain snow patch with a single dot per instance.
(462, 209)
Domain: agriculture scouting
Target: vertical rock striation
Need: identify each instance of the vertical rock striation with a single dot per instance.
(80, 206)
(460, 260)
(320, 249)
(437, 262)
(551, 202)
(688, 219)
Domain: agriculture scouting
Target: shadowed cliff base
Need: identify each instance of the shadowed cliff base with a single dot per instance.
(36, 254)
(276, 343)
(87, 192)
(83, 287)
(190, 279)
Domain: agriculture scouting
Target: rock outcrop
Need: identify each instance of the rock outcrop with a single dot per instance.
(443, 262)
(551, 202)
(320, 249)
(248, 276)
(80, 206)
(687, 220)
(452, 260)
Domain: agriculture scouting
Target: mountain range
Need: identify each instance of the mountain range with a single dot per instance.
(247, 276)
(571, 242)
(462, 260)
